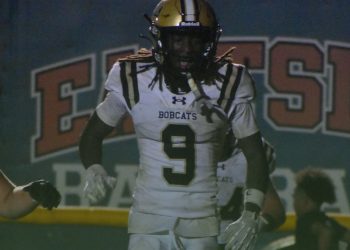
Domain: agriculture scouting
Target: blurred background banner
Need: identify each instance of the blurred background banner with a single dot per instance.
(55, 56)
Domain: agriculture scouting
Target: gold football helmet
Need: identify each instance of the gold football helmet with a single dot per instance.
(184, 15)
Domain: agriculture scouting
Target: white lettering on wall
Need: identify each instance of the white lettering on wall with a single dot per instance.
(121, 196)
(66, 188)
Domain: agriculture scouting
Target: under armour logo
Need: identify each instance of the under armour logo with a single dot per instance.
(221, 165)
(182, 100)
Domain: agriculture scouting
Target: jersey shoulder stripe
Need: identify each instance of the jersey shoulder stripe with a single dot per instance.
(129, 82)
(230, 85)
(224, 84)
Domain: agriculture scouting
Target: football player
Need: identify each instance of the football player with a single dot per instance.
(231, 180)
(18, 201)
(182, 99)
(314, 229)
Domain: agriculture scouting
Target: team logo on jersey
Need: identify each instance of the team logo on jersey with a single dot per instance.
(182, 100)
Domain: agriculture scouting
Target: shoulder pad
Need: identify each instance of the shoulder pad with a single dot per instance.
(142, 55)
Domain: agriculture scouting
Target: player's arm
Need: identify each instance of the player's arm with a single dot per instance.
(242, 233)
(245, 129)
(257, 169)
(105, 117)
(101, 123)
(17, 201)
(91, 139)
(273, 213)
(90, 150)
(14, 203)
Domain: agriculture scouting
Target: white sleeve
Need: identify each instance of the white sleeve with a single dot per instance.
(243, 120)
(113, 82)
(113, 108)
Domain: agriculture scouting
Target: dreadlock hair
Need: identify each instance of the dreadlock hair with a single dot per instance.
(317, 185)
(208, 76)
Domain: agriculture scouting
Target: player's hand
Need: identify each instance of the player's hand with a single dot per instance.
(97, 183)
(44, 193)
(204, 104)
(210, 110)
(242, 234)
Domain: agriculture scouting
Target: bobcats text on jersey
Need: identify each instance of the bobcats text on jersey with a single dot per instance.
(177, 115)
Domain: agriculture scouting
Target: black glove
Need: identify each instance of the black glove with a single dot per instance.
(44, 193)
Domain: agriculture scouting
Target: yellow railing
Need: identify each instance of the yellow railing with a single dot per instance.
(289, 225)
(76, 215)
(103, 216)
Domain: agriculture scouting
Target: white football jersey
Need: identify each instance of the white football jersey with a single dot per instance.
(179, 149)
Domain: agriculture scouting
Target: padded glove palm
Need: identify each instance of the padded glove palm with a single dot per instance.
(97, 183)
(44, 193)
(242, 234)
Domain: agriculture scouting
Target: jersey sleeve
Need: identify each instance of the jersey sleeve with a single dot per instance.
(241, 113)
(113, 108)
(113, 82)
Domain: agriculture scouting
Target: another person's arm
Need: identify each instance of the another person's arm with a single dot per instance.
(14, 202)
(18, 201)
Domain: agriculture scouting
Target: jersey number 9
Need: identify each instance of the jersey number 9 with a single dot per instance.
(179, 145)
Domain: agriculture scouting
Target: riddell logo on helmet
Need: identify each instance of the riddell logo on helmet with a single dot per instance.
(190, 24)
